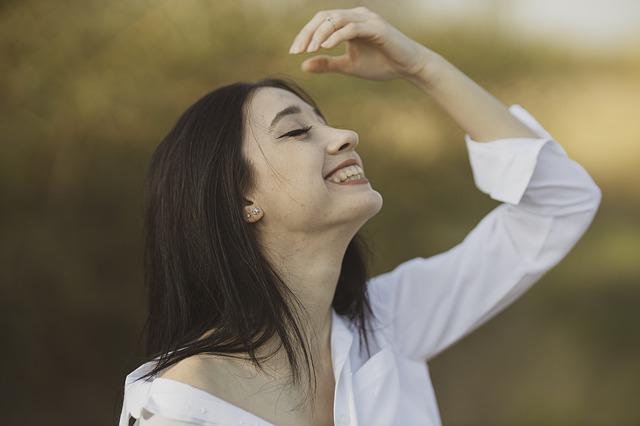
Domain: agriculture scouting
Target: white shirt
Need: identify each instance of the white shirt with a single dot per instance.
(427, 304)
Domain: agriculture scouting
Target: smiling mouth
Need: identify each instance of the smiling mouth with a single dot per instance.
(351, 181)
(347, 174)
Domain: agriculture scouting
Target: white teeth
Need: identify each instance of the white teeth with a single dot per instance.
(345, 173)
(354, 177)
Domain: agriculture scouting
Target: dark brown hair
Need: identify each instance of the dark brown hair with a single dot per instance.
(204, 271)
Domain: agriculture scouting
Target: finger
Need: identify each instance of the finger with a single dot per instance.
(302, 38)
(348, 32)
(326, 63)
(340, 17)
(323, 31)
(326, 29)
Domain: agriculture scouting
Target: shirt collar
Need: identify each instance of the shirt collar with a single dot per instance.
(341, 341)
(136, 392)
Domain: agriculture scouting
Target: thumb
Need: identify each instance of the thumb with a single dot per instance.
(325, 63)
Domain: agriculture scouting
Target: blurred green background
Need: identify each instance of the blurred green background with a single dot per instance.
(88, 89)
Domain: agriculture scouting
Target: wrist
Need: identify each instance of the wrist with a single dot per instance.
(426, 77)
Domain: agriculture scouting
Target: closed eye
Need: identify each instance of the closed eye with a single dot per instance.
(296, 132)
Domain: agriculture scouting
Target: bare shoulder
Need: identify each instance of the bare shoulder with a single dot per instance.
(149, 419)
(185, 370)
(218, 375)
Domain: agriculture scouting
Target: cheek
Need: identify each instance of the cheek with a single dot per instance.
(298, 173)
(293, 181)
(308, 188)
(305, 195)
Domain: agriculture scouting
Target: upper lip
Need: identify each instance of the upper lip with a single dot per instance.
(345, 163)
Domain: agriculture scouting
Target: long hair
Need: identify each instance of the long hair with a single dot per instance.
(204, 270)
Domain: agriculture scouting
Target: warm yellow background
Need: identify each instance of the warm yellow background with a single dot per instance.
(88, 88)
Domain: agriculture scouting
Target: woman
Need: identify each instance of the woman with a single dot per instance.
(256, 273)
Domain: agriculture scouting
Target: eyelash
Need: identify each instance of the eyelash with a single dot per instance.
(299, 131)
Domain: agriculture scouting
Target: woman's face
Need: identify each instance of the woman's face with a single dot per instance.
(290, 168)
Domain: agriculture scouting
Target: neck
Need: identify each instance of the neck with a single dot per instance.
(310, 266)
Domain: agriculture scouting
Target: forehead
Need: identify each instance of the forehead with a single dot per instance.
(267, 102)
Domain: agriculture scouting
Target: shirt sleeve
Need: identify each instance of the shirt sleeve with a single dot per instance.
(548, 202)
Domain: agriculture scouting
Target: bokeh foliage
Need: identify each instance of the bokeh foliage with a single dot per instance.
(87, 90)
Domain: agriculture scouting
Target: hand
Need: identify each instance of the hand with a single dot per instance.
(375, 49)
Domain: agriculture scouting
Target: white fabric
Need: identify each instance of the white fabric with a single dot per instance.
(426, 304)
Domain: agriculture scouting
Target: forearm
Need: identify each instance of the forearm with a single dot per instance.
(475, 110)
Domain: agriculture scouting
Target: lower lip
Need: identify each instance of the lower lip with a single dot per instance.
(351, 182)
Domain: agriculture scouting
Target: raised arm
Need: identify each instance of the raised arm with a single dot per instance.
(376, 50)
(426, 304)
(548, 200)
(475, 110)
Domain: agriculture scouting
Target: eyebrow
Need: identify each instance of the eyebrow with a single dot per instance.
(292, 109)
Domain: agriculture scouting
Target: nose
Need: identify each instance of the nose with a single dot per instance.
(346, 140)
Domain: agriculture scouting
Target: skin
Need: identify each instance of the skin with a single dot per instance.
(306, 222)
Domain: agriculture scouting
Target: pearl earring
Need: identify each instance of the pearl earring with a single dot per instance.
(254, 211)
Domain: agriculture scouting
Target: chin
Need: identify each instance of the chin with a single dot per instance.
(379, 200)
(374, 206)
(379, 204)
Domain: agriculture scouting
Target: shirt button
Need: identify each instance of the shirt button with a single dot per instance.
(203, 410)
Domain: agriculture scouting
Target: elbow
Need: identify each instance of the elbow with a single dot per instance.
(589, 205)
(586, 199)
(596, 197)
(588, 194)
